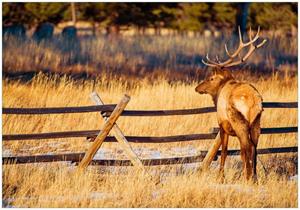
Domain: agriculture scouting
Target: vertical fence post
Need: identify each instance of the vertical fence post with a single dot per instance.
(120, 136)
(212, 152)
(89, 155)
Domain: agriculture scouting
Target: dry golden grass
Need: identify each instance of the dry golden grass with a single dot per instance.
(60, 187)
(57, 185)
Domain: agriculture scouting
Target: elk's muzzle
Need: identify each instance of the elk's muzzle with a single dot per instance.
(199, 89)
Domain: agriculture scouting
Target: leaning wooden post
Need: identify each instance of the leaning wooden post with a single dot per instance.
(211, 152)
(120, 136)
(89, 155)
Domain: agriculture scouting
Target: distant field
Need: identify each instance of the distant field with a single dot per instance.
(174, 57)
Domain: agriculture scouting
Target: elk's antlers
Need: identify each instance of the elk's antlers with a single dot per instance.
(230, 61)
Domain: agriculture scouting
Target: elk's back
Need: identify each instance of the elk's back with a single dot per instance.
(242, 97)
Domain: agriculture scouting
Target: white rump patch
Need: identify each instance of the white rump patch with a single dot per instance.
(241, 105)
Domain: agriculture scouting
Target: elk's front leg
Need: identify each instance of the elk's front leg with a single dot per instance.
(224, 140)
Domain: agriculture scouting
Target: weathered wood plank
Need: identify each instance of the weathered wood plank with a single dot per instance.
(109, 108)
(203, 110)
(280, 104)
(120, 136)
(136, 139)
(279, 130)
(265, 151)
(104, 132)
(168, 139)
(73, 157)
(149, 113)
(275, 130)
(77, 157)
(59, 110)
(50, 135)
(93, 133)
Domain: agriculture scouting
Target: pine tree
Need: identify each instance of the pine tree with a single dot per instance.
(273, 15)
(193, 16)
(46, 12)
(15, 13)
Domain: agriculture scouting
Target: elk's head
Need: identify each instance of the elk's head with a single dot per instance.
(221, 74)
(214, 81)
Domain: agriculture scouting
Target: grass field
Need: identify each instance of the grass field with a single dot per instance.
(57, 184)
(175, 57)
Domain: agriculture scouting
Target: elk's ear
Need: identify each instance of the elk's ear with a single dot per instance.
(213, 71)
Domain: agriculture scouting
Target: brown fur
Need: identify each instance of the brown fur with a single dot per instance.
(239, 108)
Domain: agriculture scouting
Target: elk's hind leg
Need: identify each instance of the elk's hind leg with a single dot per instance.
(245, 152)
(254, 135)
(242, 131)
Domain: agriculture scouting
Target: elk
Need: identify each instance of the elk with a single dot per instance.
(238, 104)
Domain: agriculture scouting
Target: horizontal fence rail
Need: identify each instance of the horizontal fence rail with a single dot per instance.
(202, 110)
(60, 110)
(109, 108)
(137, 139)
(271, 130)
(265, 150)
(76, 157)
(93, 134)
(280, 104)
(149, 113)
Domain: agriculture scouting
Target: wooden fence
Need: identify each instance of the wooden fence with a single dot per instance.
(110, 113)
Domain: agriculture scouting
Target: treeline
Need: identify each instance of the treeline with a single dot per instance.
(177, 16)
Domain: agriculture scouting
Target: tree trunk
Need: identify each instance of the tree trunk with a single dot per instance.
(93, 28)
(73, 9)
(241, 16)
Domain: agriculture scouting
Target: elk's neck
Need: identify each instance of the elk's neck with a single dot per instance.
(216, 95)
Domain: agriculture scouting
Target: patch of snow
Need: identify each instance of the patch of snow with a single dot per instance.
(188, 150)
(294, 178)
(6, 153)
(147, 153)
(190, 167)
(71, 166)
(103, 153)
(141, 151)
(54, 144)
(215, 164)
(100, 195)
(35, 148)
(6, 203)
(155, 155)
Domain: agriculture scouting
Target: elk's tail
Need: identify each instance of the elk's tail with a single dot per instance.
(256, 110)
